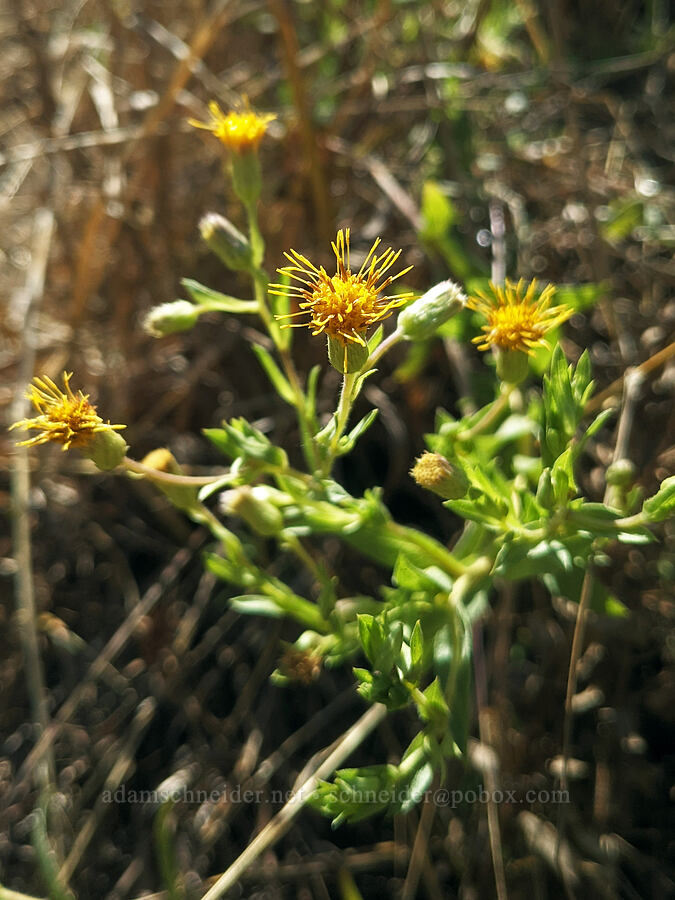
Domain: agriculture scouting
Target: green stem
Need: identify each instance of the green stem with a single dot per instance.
(156, 475)
(490, 416)
(342, 414)
(437, 554)
(260, 285)
(255, 235)
(381, 349)
(296, 545)
(630, 522)
(306, 431)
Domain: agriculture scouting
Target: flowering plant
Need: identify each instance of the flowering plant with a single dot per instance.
(507, 470)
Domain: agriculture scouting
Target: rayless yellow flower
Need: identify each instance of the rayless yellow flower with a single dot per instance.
(517, 319)
(239, 131)
(346, 304)
(64, 417)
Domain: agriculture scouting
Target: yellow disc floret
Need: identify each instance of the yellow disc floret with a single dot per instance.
(64, 417)
(239, 131)
(344, 305)
(517, 318)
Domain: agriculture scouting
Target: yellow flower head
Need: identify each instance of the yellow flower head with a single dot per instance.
(239, 131)
(517, 319)
(346, 304)
(64, 417)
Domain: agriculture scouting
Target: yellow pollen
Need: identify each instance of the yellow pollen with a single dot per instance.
(64, 417)
(346, 304)
(239, 131)
(516, 318)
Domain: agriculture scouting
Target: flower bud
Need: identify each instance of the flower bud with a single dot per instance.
(106, 449)
(424, 316)
(512, 365)
(226, 241)
(183, 496)
(621, 473)
(433, 472)
(258, 513)
(300, 665)
(169, 318)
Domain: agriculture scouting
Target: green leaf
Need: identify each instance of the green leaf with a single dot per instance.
(206, 296)
(312, 385)
(411, 577)
(348, 441)
(626, 214)
(279, 382)
(662, 505)
(225, 569)
(479, 509)
(256, 605)
(239, 439)
(435, 709)
(438, 213)
(580, 296)
(562, 476)
(375, 339)
(416, 648)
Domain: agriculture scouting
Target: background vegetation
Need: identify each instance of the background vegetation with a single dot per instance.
(531, 135)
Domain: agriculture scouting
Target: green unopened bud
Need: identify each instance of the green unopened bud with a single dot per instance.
(433, 472)
(545, 492)
(183, 496)
(226, 241)
(258, 513)
(106, 449)
(424, 316)
(246, 176)
(170, 318)
(512, 365)
(621, 473)
(348, 357)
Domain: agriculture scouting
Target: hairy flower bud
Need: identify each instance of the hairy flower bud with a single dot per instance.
(226, 241)
(424, 316)
(433, 472)
(170, 318)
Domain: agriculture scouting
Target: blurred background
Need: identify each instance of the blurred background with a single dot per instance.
(529, 135)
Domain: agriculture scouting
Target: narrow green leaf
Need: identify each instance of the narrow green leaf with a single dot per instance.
(206, 296)
(273, 372)
(256, 605)
(662, 505)
(416, 647)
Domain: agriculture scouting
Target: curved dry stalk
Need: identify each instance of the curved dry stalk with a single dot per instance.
(280, 824)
